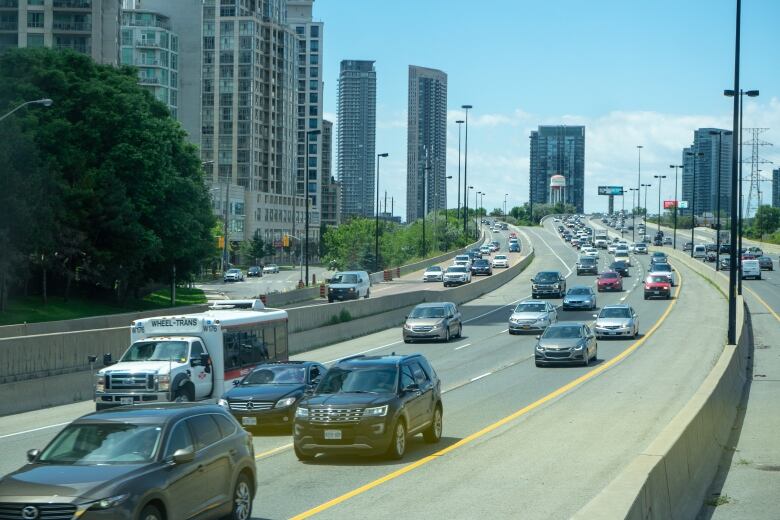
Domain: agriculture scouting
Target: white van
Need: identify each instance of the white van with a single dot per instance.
(700, 251)
(751, 269)
(349, 285)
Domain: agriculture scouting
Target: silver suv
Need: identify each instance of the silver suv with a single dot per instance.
(436, 320)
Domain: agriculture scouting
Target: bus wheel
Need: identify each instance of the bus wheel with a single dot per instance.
(185, 394)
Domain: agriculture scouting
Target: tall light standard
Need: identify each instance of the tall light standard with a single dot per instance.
(477, 212)
(719, 133)
(638, 186)
(475, 200)
(425, 199)
(46, 102)
(376, 227)
(436, 215)
(460, 126)
(693, 196)
(633, 210)
(645, 186)
(660, 179)
(306, 191)
(676, 202)
(466, 170)
(742, 93)
(505, 196)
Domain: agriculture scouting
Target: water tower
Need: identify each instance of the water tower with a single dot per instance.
(557, 189)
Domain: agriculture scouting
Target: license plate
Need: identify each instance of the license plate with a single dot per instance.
(249, 421)
(525, 326)
(656, 292)
(333, 435)
(125, 401)
(612, 333)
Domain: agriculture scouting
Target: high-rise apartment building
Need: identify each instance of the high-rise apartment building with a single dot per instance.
(558, 150)
(249, 85)
(87, 26)
(707, 174)
(330, 188)
(776, 187)
(309, 87)
(426, 154)
(149, 43)
(357, 137)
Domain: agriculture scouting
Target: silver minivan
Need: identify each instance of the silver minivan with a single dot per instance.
(349, 285)
(700, 251)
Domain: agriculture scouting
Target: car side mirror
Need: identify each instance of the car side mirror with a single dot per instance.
(107, 361)
(205, 360)
(33, 454)
(236, 382)
(182, 456)
(595, 315)
(414, 387)
(539, 337)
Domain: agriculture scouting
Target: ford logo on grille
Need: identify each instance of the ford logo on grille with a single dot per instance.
(30, 513)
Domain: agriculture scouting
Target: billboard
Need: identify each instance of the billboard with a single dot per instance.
(610, 190)
(683, 204)
(668, 204)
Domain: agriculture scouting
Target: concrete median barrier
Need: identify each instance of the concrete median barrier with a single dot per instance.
(670, 478)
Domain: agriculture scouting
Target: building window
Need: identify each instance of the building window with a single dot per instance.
(313, 123)
(314, 46)
(314, 72)
(208, 42)
(314, 59)
(313, 149)
(34, 19)
(315, 31)
(36, 40)
(314, 84)
(312, 110)
(300, 30)
(313, 97)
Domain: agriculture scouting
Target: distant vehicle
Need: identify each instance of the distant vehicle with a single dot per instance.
(590, 251)
(725, 263)
(640, 248)
(579, 297)
(434, 273)
(474, 254)
(532, 315)
(481, 267)
(663, 269)
(504, 226)
(725, 249)
(255, 271)
(657, 286)
(514, 247)
(587, 265)
(135, 463)
(496, 245)
(755, 250)
(600, 240)
(569, 342)
(620, 267)
(609, 281)
(765, 263)
(456, 275)
(267, 396)
(658, 257)
(486, 250)
(622, 255)
(233, 275)
(382, 401)
(349, 285)
(501, 261)
(700, 251)
(688, 246)
(435, 320)
(616, 320)
(712, 256)
(668, 241)
(751, 269)
(271, 269)
(548, 283)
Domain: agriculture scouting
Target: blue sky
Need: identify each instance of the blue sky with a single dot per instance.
(632, 72)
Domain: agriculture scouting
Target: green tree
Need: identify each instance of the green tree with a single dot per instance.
(255, 249)
(766, 220)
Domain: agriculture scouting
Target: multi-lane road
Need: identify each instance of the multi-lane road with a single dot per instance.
(518, 440)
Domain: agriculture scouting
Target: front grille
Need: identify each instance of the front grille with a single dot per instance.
(611, 327)
(422, 328)
(250, 405)
(335, 415)
(9, 511)
(557, 353)
(129, 381)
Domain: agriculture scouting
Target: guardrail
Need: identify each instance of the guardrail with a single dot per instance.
(671, 477)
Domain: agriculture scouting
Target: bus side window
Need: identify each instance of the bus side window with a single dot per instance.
(281, 342)
(231, 347)
(270, 342)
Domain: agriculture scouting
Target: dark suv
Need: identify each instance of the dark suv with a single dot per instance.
(548, 283)
(481, 267)
(587, 264)
(178, 460)
(370, 405)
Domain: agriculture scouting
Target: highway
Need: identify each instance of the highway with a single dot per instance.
(284, 280)
(514, 433)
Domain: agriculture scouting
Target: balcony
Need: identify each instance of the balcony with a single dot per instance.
(145, 80)
(73, 4)
(148, 43)
(78, 47)
(9, 4)
(8, 26)
(72, 26)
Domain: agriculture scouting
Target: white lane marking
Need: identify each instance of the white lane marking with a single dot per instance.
(505, 330)
(463, 346)
(496, 309)
(623, 299)
(480, 377)
(33, 430)
(363, 352)
(553, 252)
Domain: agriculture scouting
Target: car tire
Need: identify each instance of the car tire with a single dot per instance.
(586, 361)
(368, 291)
(432, 434)
(150, 512)
(185, 394)
(302, 455)
(330, 300)
(397, 447)
(460, 331)
(242, 499)
(447, 335)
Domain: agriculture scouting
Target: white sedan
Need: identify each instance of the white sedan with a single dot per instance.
(500, 261)
(590, 251)
(271, 269)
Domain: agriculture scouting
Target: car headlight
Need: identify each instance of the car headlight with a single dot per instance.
(534, 286)
(287, 401)
(557, 286)
(540, 348)
(437, 326)
(107, 503)
(407, 326)
(376, 411)
(100, 383)
(163, 382)
(351, 289)
(302, 413)
(579, 346)
(223, 403)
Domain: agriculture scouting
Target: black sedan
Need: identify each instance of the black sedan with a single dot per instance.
(267, 396)
(620, 267)
(481, 266)
(765, 263)
(255, 270)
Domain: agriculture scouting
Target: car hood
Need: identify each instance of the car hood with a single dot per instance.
(607, 281)
(578, 297)
(657, 285)
(559, 342)
(613, 322)
(342, 285)
(527, 316)
(137, 367)
(423, 321)
(345, 399)
(264, 392)
(49, 480)
(433, 273)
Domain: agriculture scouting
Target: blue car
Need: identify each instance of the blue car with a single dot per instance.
(514, 247)
(579, 297)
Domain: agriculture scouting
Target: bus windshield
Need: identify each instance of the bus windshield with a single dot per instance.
(156, 351)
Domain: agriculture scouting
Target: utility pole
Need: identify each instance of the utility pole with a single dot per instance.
(227, 219)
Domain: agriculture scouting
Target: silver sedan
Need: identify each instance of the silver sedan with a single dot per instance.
(532, 315)
(616, 321)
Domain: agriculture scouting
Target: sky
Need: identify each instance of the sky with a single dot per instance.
(634, 73)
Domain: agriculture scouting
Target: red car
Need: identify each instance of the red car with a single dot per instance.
(513, 235)
(658, 286)
(609, 281)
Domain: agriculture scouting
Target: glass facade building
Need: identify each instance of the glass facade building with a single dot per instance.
(707, 174)
(558, 150)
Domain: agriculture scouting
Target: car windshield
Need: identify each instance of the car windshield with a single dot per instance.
(662, 267)
(500, 257)
(562, 332)
(588, 260)
(618, 265)
(608, 275)
(482, 263)
(615, 312)
(434, 268)
(156, 351)
(379, 380)
(579, 290)
(234, 271)
(531, 307)
(456, 269)
(103, 443)
(276, 375)
(547, 277)
(657, 279)
(344, 278)
(428, 312)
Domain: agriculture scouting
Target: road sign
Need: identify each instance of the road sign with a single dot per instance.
(668, 204)
(683, 204)
(610, 190)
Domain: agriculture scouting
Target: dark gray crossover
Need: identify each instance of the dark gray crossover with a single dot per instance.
(568, 342)
(157, 462)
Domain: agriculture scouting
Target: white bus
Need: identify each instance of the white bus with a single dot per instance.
(194, 356)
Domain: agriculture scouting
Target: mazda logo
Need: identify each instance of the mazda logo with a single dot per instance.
(30, 513)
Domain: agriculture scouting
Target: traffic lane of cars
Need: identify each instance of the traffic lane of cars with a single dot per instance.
(251, 286)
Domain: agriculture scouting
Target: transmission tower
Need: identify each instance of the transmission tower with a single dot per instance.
(754, 191)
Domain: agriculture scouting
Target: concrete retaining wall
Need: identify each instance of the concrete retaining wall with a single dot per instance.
(669, 480)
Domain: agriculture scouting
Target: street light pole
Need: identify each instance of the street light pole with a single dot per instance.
(475, 202)
(376, 227)
(46, 102)
(717, 218)
(732, 326)
(460, 126)
(425, 199)
(477, 214)
(693, 197)
(638, 184)
(306, 192)
(466, 170)
(660, 179)
(644, 219)
(505, 196)
(676, 203)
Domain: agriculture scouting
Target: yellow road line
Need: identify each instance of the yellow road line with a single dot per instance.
(273, 451)
(760, 299)
(501, 422)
